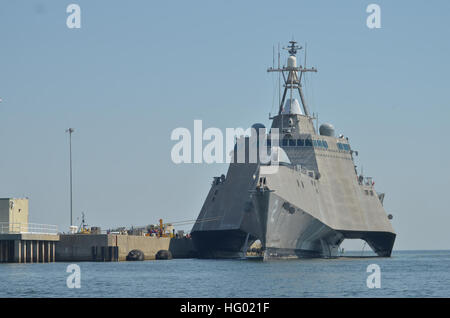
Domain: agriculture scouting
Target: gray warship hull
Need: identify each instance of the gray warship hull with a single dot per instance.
(296, 217)
(304, 205)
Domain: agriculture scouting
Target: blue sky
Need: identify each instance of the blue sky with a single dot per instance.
(136, 71)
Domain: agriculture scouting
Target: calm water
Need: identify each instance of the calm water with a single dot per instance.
(406, 274)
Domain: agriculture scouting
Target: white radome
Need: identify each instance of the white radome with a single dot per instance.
(292, 61)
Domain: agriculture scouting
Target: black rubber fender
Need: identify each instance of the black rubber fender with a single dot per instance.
(135, 255)
(163, 254)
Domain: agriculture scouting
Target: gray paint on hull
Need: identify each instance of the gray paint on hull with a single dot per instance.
(295, 214)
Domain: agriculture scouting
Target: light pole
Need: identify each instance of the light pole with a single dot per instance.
(70, 131)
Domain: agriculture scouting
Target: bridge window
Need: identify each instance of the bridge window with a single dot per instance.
(288, 142)
(344, 147)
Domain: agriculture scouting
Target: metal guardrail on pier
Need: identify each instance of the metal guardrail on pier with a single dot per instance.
(27, 228)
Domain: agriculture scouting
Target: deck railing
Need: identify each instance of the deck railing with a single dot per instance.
(27, 228)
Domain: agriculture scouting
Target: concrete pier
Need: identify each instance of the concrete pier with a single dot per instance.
(45, 248)
(27, 248)
(111, 247)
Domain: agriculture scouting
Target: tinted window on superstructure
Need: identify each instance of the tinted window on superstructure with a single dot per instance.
(292, 142)
(300, 142)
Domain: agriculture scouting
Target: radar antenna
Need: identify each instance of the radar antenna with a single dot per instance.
(294, 74)
(293, 48)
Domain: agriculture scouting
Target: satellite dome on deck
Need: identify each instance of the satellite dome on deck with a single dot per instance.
(326, 130)
(294, 110)
(259, 126)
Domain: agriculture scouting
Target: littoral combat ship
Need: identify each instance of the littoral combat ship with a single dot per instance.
(308, 205)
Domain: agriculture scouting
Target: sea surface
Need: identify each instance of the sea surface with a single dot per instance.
(405, 274)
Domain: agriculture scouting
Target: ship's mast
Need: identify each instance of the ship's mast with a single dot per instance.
(294, 74)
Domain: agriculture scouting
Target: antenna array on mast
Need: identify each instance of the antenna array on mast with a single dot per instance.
(294, 75)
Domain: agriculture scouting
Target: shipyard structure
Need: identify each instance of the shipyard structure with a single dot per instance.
(25, 242)
(21, 241)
